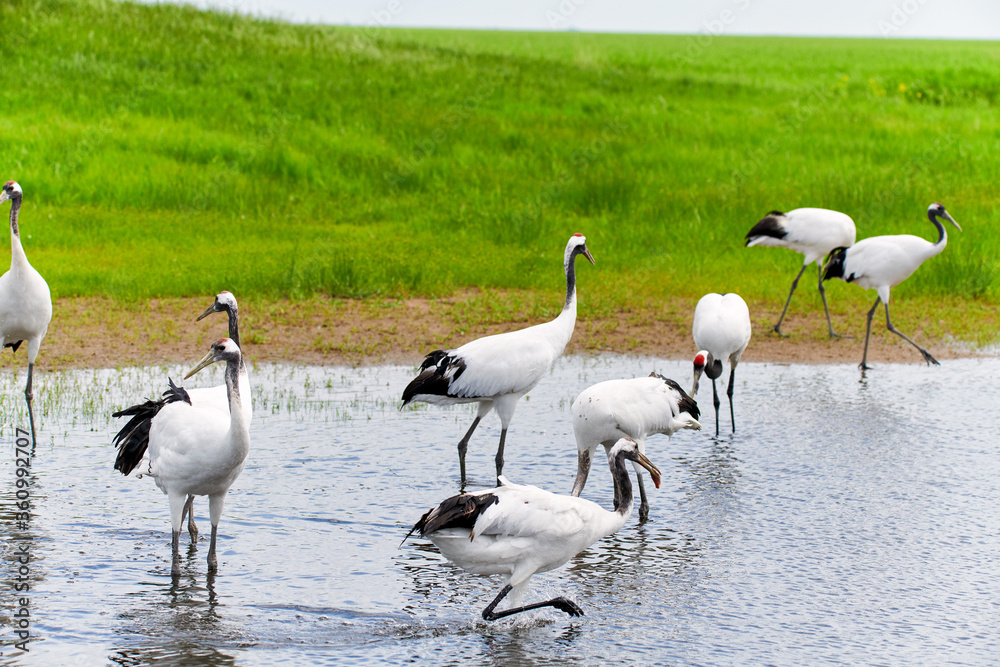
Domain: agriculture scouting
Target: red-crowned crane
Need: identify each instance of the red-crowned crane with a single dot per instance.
(882, 262)
(496, 371)
(814, 232)
(132, 439)
(517, 530)
(721, 331)
(635, 408)
(198, 450)
(25, 302)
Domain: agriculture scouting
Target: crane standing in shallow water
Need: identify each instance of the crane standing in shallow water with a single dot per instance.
(197, 450)
(133, 438)
(814, 232)
(882, 262)
(721, 330)
(496, 371)
(25, 301)
(608, 411)
(518, 530)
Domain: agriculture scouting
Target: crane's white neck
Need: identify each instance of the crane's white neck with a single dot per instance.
(239, 425)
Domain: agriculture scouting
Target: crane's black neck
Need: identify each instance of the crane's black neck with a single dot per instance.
(937, 223)
(15, 206)
(234, 324)
(571, 278)
(623, 485)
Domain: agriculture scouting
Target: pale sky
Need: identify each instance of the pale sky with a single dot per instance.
(945, 19)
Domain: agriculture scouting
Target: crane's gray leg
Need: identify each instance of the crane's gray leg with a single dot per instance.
(28, 394)
(189, 511)
(868, 332)
(560, 603)
(795, 283)
(927, 355)
(499, 459)
(213, 564)
(31, 421)
(822, 293)
(716, 402)
(175, 565)
(463, 445)
(729, 392)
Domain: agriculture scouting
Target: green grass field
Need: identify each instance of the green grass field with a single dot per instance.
(165, 151)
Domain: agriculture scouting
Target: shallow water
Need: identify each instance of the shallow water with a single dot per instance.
(848, 520)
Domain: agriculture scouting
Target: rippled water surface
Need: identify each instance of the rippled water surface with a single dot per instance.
(849, 520)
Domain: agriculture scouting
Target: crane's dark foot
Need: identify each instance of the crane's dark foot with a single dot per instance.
(865, 367)
(834, 334)
(929, 359)
(568, 606)
(777, 329)
(643, 513)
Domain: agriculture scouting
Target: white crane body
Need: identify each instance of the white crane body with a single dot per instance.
(496, 371)
(634, 408)
(516, 530)
(25, 300)
(813, 232)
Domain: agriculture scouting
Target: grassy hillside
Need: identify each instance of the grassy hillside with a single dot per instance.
(166, 151)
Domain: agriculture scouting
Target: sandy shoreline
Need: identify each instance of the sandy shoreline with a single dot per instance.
(101, 333)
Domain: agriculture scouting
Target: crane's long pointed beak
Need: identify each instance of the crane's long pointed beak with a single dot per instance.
(654, 472)
(950, 219)
(208, 311)
(586, 253)
(4, 197)
(207, 361)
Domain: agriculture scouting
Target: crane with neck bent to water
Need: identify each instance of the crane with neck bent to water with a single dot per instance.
(636, 408)
(496, 371)
(25, 301)
(519, 531)
(882, 262)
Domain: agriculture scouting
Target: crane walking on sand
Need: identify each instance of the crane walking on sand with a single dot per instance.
(814, 232)
(197, 450)
(496, 371)
(519, 530)
(882, 262)
(636, 408)
(721, 330)
(25, 301)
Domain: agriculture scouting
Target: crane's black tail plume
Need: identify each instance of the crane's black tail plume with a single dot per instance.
(459, 511)
(439, 369)
(835, 264)
(769, 225)
(686, 404)
(133, 439)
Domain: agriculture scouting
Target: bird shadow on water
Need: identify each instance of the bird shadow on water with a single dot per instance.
(178, 623)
